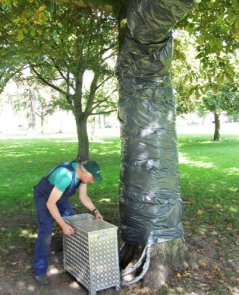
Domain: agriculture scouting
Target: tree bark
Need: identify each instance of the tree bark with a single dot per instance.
(31, 113)
(42, 123)
(217, 126)
(83, 140)
(166, 259)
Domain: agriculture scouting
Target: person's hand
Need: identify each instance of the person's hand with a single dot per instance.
(67, 229)
(98, 215)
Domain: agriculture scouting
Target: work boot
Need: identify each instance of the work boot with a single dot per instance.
(42, 280)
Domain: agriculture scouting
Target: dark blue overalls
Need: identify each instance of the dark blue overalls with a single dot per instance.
(42, 192)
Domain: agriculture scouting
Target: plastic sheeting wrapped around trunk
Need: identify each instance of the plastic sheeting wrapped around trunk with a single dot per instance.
(150, 204)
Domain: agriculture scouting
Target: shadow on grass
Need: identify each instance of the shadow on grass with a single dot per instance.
(209, 181)
(209, 185)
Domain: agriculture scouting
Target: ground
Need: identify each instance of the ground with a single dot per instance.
(212, 258)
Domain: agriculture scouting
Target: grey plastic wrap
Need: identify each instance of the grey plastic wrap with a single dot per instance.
(150, 202)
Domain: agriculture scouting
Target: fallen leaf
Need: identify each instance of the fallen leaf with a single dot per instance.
(203, 264)
(200, 212)
(210, 277)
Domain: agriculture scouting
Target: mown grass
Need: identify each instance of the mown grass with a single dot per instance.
(24, 162)
(209, 181)
(209, 177)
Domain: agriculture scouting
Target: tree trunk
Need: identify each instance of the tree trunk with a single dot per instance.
(150, 203)
(42, 118)
(83, 140)
(217, 126)
(31, 113)
(166, 259)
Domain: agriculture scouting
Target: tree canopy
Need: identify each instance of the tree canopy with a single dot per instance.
(215, 25)
(62, 45)
(47, 36)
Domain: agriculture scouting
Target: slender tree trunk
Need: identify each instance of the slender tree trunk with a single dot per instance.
(80, 116)
(217, 126)
(31, 113)
(83, 140)
(42, 123)
(150, 197)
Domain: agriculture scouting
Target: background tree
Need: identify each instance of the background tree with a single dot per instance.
(225, 99)
(215, 25)
(186, 73)
(203, 85)
(34, 100)
(66, 45)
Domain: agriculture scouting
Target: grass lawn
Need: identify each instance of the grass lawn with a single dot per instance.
(209, 176)
(209, 188)
(209, 181)
(24, 162)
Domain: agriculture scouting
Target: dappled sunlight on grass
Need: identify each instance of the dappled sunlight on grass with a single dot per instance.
(26, 233)
(53, 270)
(105, 200)
(209, 180)
(234, 189)
(233, 209)
(67, 140)
(21, 285)
(105, 151)
(74, 285)
(184, 160)
(208, 173)
(209, 189)
(103, 140)
(31, 288)
(232, 170)
(15, 233)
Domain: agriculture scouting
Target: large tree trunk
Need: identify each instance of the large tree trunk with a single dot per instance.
(217, 126)
(166, 259)
(150, 204)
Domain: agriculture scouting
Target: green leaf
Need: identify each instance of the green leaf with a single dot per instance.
(33, 32)
(20, 35)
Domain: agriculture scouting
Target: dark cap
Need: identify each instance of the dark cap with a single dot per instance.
(94, 169)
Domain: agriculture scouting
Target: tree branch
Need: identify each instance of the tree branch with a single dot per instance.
(98, 103)
(102, 83)
(104, 113)
(58, 69)
(48, 83)
(106, 49)
(8, 76)
(66, 78)
(105, 5)
(93, 88)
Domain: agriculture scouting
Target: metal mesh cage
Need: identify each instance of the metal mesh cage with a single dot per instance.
(91, 253)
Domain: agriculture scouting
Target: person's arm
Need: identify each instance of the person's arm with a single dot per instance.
(86, 201)
(51, 205)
